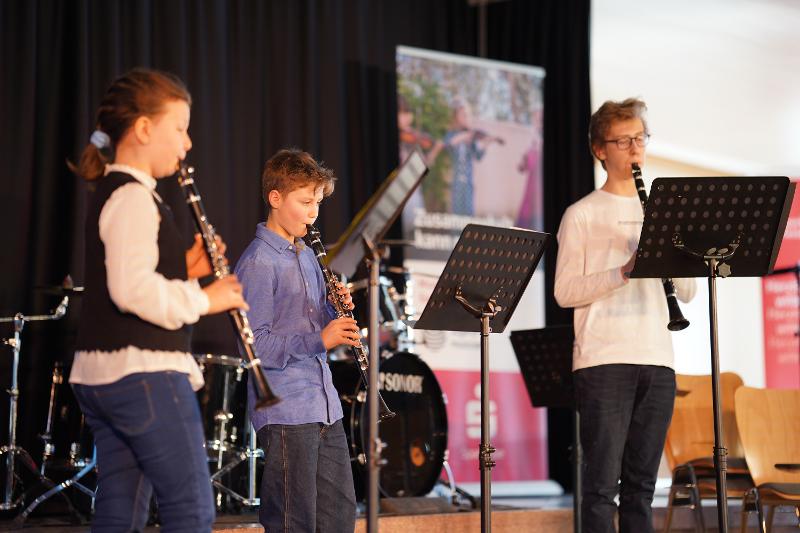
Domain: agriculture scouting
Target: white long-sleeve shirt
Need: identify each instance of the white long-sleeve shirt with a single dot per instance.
(615, 321)
(129, 223)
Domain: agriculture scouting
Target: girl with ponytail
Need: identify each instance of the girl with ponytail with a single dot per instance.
(133, 373)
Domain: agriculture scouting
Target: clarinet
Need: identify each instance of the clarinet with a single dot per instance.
(314, 241)
(264, 395)
(677, 321)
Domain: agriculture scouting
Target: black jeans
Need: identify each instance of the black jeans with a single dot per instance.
(624, 413)
(308, 482)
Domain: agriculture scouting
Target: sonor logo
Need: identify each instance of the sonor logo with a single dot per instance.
(408, 383)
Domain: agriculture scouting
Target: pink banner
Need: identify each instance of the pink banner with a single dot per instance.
(518, 431)
(781, 320)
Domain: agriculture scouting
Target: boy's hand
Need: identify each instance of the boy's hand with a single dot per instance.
(344, 293)
(197, 262)
(341, 331)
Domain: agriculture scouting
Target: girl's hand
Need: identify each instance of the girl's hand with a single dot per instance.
(197, 263)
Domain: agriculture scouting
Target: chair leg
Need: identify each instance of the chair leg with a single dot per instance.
(745, 512)
(770, 517)
(697, 508)
(668, 520)
(760, 510)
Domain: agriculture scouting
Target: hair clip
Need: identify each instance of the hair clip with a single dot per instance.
(100, 139)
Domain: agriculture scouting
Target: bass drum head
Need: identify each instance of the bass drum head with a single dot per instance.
(416, 438)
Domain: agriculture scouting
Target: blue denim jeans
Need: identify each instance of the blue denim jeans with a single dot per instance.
(624, 414)
(149, 436)
(308, 483)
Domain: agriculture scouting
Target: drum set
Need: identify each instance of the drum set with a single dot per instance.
(415, 440)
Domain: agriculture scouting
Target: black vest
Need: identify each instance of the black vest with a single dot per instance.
(103, 326)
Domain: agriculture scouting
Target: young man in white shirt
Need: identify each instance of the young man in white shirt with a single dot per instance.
(623, 359)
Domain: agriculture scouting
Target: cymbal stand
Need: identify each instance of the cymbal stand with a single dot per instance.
(11, 450)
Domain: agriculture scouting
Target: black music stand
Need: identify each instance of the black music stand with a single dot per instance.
(545, 361)
(478, 291)
(713, 227)
(361, 241)
(377, 216)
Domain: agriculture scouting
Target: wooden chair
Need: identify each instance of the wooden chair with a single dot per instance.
(769, 425)
(690, 445)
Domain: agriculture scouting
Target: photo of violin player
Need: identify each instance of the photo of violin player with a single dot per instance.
(479, 128)
(411, 137)
(465, 145)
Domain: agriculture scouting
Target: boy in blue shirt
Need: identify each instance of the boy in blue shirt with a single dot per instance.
(307, 483)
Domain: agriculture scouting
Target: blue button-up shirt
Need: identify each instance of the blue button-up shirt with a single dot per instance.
(286, 292)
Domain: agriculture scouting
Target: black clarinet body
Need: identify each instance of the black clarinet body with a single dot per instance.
(314, 241)
(677, 321)
(264, 395)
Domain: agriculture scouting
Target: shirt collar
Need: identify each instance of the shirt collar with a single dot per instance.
(273, 239)
(143, 177)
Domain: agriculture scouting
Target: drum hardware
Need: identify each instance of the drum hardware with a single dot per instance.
(57, 489)
(64, 420)
(251, 454)
(414, 442)
(222, 407)
(13, 452)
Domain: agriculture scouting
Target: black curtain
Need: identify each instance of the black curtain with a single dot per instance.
(263, 75)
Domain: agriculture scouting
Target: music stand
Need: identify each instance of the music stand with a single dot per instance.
(377, 216)
(714, 227)
(361, 241)
(478, 291)
(545, 361)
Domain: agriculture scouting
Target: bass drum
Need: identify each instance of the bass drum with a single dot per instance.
(416, 438)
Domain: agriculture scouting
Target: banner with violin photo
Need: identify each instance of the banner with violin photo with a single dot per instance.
(479, 124)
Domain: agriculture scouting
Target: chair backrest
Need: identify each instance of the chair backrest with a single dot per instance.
(769, 425)
(691, 432)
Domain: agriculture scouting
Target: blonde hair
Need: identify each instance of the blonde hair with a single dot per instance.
(611, 112)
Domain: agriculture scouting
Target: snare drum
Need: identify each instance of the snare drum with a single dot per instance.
(416, 438)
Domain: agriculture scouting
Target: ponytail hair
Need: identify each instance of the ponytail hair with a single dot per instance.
(139, 92)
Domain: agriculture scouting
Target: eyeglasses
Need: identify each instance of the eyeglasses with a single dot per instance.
(624, 143)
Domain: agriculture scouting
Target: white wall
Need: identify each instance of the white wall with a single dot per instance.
(721, 80)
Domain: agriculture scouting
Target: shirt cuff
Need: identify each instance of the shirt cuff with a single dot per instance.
(618, 279)
(200, 298)
(314, 343)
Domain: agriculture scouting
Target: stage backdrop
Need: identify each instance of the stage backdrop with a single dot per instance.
(317, 74)
(479, 123)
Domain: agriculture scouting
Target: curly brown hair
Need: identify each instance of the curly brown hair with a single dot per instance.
(291, 169)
